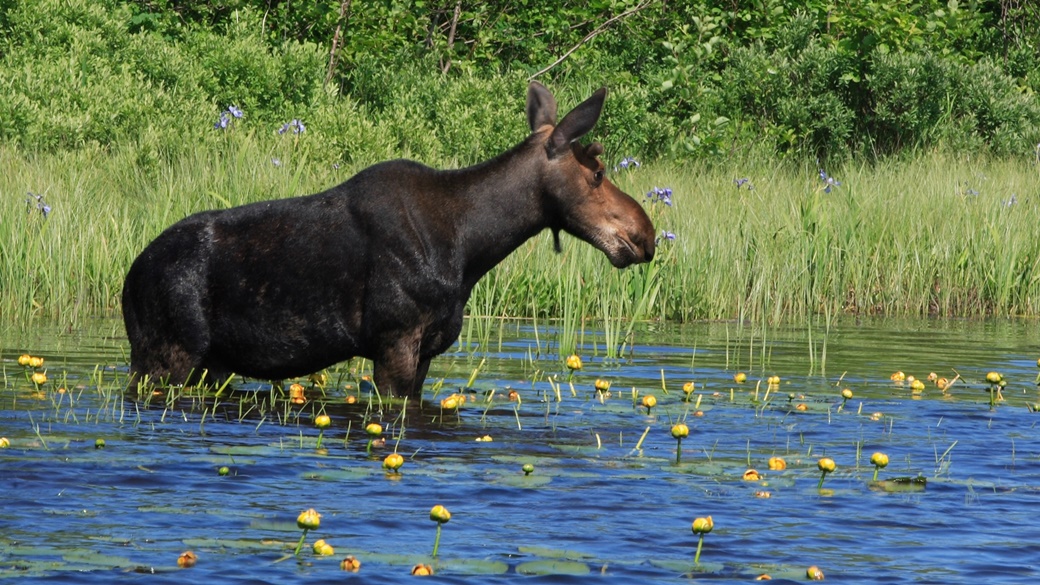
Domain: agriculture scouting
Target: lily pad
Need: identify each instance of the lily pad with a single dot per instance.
(899, 485)
(553, 553)
(522, 481)
(553, 567)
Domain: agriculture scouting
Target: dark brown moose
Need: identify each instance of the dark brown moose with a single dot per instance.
(380, 266)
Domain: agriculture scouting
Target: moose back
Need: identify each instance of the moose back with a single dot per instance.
(380, 266)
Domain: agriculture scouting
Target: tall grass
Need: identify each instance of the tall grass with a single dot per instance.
(934, 235)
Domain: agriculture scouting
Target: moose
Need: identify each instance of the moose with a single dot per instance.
(380, 266)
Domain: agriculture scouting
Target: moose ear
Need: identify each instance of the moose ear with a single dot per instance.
(541, 106)
(578, 122)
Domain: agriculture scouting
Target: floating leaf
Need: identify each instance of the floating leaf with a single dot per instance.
(556, 567)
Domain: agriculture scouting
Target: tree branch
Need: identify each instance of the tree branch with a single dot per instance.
(592, 35)
(344, 7)
(451, 37)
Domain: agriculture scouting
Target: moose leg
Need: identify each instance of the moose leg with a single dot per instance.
(395, 371)
(420, 378)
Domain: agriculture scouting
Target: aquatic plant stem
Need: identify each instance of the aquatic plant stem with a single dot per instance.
(678, 450)
(697, 556)
(299, 545)
(437, 540)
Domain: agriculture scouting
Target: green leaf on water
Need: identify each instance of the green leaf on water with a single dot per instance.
(474, 566)
(552, 553)
(229, 543)
(554, 567)
(899, 485)
(92, 558)
(522, 481)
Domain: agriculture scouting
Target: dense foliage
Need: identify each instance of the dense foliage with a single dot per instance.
(699, 78)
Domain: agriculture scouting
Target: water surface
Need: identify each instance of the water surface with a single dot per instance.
(595, 507)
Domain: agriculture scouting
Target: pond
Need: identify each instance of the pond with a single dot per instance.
(606, 497)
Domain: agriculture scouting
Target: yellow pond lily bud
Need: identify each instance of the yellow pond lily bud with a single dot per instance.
(440, 514)
(573, 362)
(187, 559)
(703, 525)
(350, 563)
(879, 459)
(422, 570)
(393, 462)
(309, 519)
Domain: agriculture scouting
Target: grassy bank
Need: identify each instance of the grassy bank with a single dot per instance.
(931, 235)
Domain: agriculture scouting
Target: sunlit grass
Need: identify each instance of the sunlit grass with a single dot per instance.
(934, 235)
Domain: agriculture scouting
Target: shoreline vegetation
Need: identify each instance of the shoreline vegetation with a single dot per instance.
(933, 235)
(823, 160)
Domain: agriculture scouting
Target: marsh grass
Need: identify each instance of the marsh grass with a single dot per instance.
(934, 235)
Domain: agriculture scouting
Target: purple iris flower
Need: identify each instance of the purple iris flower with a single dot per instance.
(662, 194)
(828, 181)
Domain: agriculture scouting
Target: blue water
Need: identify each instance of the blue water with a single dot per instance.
(595, 507)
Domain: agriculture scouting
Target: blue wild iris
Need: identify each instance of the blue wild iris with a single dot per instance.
(227, 117)
(829, 182)
(665, 235)
(744, 182)
(627, 163)
(36, 202)
(662, 194)
(295, 127)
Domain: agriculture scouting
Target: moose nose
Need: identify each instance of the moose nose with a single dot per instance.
(647, 243)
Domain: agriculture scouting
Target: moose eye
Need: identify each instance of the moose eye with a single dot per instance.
(598, 176)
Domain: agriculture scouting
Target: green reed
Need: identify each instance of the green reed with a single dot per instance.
(930, 235)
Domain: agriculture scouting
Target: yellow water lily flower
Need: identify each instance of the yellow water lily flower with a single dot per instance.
(680, 431)
(440, 514)
(573, 362)
(309, 519)
(703, 525)
(350, 563)
(187, 559)
(393, 462)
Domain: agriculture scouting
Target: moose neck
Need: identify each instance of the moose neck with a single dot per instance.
(502, 207)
